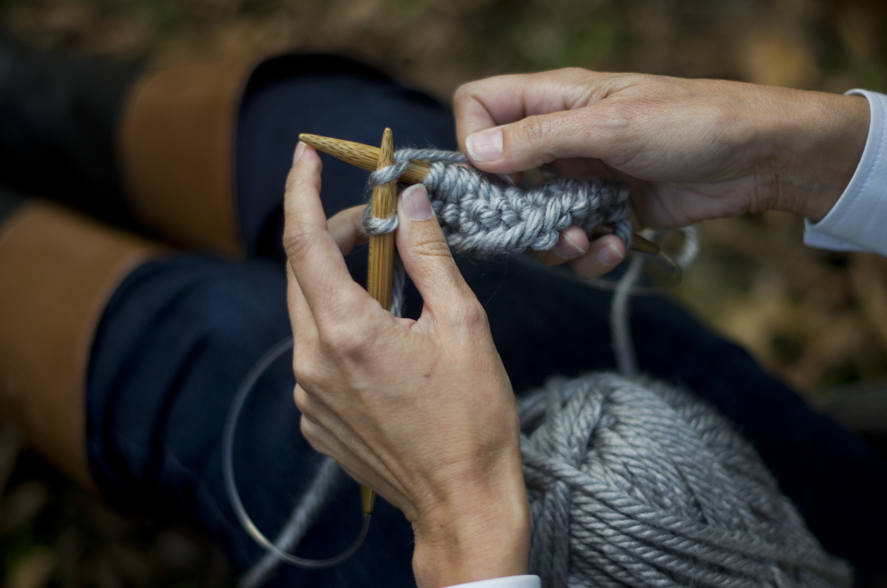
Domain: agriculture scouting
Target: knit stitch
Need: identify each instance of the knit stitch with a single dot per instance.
(483, 216)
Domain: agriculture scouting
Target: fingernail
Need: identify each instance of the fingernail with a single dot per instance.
(506, 178)
(567, 249)
(485, 145)
(300, 149)
(609, 255)
(416, 203)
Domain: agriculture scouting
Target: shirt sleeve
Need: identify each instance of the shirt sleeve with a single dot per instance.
(858, 220)
(527, 581)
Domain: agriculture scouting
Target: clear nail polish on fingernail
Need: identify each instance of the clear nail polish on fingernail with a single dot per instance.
(609, 255)
(565, 248)
(300, 149)
(485, 145)
(416, 203)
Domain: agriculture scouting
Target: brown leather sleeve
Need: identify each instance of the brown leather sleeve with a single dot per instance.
(177, 152)
(57, 270)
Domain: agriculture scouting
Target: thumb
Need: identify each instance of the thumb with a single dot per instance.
(424, 251)
(539, 139)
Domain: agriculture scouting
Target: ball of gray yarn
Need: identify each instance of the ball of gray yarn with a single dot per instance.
(634, 483)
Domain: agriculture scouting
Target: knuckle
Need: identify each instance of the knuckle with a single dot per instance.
(471, 91)
(308, 369)
(539, 135)
(432, 246)
(463, 94)
(304, 401)
(573, 74)
(297, 237)
(536, 130)
(343, 339)
(469, 316)
(313, 435)
(300, 397)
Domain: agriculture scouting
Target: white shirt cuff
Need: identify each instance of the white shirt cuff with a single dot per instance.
(527, 581)
(858, 220)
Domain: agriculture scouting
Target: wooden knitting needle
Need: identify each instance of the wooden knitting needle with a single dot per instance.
(380, 271)
(367, 157)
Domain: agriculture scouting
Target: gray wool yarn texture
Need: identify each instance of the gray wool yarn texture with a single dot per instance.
(632, 482)
(483, 216)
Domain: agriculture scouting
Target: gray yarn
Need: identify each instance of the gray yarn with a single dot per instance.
(634, 483)
(483, 216)
(630, 482)
(304, 514)
(620, 329)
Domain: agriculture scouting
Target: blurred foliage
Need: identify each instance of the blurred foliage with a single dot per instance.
(437, 44)
(55, 534)
(815, 318)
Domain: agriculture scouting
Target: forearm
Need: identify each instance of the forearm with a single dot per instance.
(810, 146)
(487, 543)
(483, 535)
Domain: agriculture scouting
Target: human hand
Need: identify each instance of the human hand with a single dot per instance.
(691, 149)
(421, 411)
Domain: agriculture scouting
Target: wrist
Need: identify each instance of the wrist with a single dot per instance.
(483, 534)
(815, 145)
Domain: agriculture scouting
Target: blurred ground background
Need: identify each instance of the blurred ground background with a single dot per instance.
(817, 319)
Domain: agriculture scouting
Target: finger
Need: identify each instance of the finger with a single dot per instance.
(311, 251)
(320, 426)
(539, 139)
(324, 441)
(327, 434)
(327, 443)
(572, 243)
(346, 228)
(514, 123)
(424, 250)
(305, 333)
(603, 255)
(500, 100)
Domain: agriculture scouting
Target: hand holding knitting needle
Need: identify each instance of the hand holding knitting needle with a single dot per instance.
(691, 149)
(421, 411)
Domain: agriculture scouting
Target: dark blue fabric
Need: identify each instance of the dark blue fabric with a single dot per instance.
(181, 333)
(322, 95)
(175, 342)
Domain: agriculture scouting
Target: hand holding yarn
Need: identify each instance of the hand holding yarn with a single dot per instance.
(421, 411)
(691, 149)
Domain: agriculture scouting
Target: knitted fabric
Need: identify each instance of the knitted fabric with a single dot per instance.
(634, 483)
(483, 216)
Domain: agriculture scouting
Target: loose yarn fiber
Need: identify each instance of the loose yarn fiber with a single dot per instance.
(635, 483)
(483, 216)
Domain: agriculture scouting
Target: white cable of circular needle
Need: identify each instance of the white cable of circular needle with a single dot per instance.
(246, 388)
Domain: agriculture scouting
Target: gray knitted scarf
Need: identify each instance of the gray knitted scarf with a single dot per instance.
(631, 482)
